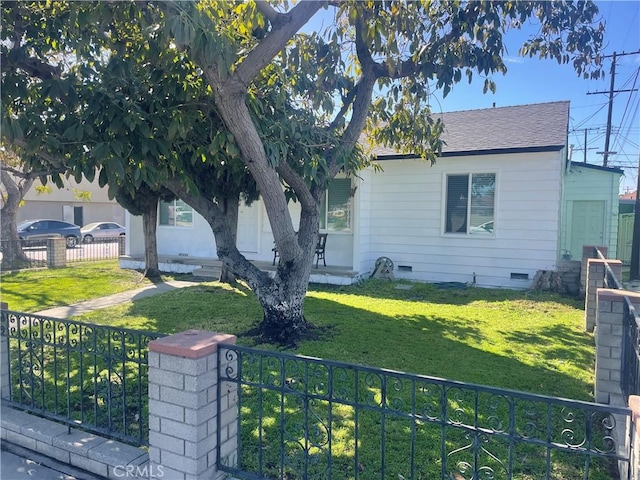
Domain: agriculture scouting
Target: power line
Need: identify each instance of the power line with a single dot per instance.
(611, 92)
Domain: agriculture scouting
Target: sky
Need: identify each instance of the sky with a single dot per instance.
(531, 80)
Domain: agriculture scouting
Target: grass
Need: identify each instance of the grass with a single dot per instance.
(33, 290)
(527, 341)
(520, 340)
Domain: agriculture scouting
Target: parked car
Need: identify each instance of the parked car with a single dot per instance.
(102, 230)
(37, 232)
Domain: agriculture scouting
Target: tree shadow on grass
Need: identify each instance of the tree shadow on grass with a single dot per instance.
(443, 293)
(451, 346)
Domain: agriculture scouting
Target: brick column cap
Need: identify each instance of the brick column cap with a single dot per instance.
(612, 294)
(634, 405)
(191, 343)
(600, 261)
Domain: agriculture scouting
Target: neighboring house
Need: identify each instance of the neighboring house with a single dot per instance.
(625, 227)
(590, 209)
(628, 202)
(502, 202)
(79, 203)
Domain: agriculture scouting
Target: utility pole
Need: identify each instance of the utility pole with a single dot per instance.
(605, 157)
(611, 91)
(585, 149)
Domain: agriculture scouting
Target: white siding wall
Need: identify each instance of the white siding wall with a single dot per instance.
(589, 184)
(407, 208)
(364, 256)
(198, 241)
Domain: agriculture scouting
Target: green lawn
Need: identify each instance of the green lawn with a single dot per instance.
(33, 290)
(527, 341)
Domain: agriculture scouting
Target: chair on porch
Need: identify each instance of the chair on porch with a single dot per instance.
(320, 247)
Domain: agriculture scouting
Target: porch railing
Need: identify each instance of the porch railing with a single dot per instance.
(301, 417)
(84, 375)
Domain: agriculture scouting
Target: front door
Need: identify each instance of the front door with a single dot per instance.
(587, 226)
(248, 228)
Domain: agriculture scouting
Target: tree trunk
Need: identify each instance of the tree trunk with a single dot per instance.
(231, 211)
(281, 297)
(282, 302)
(149, 222)
(12, 254)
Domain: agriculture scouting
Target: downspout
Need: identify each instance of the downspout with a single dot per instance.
(562, 233)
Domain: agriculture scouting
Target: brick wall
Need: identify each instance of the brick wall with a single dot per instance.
(183, 408)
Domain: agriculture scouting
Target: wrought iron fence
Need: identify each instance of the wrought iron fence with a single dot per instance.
(31, 257)
(85, 375)
(630, 377)
(37, 255)
(306, 418)
(104, 248)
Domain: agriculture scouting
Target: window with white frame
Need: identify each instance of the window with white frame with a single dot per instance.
(335, 212)
(470, 203)
(175, 213)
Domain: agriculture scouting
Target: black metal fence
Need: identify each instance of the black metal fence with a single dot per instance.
(32, 257)
(97, 249)
(630, 377)
(306, 418)
(36, 256)
(84, 375)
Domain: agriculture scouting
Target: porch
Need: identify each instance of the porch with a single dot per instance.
(209, 268)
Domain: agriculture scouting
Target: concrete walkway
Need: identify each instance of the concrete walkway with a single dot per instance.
(115, 299)
(17, 463)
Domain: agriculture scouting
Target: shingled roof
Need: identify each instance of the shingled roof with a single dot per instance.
(535, 127)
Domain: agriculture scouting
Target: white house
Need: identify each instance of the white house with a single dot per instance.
(502, 202)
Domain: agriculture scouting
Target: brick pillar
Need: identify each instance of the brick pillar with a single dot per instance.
(595, 279)
(609, 337)
(596, 273)
(588, 251)
(56, 252)
(122, 245)
(183, 409)
(4, 352)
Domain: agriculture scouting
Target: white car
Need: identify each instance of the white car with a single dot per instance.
(102, 230)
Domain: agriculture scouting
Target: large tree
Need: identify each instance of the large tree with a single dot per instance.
(372, 70)
(15, 184)
(291, 105)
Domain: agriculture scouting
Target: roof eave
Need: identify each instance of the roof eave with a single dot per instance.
(469, 153)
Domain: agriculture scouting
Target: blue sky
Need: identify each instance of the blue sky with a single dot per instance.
(530, 80)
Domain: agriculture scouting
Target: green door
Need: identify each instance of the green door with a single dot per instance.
(625, 237)
(587, 226)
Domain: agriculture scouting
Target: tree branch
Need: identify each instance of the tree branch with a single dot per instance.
(225, 243)
(33, 174)
(297, 183)
(284, 29)
(363, 91)
(268, 12)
